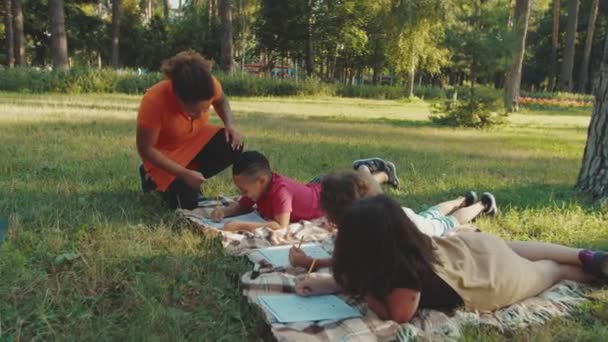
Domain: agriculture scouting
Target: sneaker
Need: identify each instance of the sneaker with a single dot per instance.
(489, 202)
(373, 164)
(602, 262)
(470, 198)
(391, 171)
(598, 266)
(147, 184)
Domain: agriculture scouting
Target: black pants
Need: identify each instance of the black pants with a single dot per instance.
(216, 156)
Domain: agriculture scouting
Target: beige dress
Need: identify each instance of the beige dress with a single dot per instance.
(485, 271)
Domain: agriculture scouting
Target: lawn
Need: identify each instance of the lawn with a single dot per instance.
(91, 258)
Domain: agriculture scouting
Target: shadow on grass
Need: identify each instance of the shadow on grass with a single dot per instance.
(102, 183)
(170, 294)
(378, 121)
(519, 196)
(106, 106)
(557, 111)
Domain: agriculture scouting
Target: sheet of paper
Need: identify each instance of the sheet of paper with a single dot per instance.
(278, 256)
(291, 308)
(250, 217)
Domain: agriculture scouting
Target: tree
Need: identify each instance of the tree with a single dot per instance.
(309, 51)
(59, 41)
(565, 78)
(166, 8)
(8, 28)
(554, 45)
(480, 46)
(593, 178)
(584, 72)
(19, 37)
(418, 33)
(513, 77)
(115, 59)
(147, 9)
(226, 53)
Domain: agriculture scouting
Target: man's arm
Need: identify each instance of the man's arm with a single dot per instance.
(223, 110)
(146, 138)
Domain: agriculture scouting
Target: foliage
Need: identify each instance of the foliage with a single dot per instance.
(90, 80)
(478, 41)
(480, 108)
(417, 30)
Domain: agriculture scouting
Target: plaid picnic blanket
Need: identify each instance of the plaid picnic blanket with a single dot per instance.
(557, 301)
(241, 243)
(426, 325)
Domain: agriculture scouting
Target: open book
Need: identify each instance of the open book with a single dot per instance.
(291, 308)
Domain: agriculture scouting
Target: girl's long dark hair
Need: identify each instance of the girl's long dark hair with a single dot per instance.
(378, 248)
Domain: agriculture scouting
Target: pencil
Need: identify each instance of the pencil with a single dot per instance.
(301, 240)
(314, 261)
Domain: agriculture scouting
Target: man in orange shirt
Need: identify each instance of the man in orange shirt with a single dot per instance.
(178, 147)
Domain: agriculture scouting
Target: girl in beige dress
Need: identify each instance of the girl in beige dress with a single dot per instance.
(380, 256)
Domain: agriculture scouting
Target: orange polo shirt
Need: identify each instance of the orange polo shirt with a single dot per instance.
(180, 138)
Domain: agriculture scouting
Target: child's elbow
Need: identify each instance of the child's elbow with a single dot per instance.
(401, 315)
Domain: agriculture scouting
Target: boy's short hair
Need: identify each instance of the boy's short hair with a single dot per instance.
(190, 75)
(341, 190)
(250, 164)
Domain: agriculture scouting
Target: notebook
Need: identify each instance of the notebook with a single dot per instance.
(250, 217)
(291, 308)
(278, 256)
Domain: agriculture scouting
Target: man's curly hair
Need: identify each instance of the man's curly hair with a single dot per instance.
(190, 74)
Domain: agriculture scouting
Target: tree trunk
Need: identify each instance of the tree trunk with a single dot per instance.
(148, 9)
(179, 8)
(412, 76)
(226, 35)
(584, 72)
(375, 75)
(8, 29)
(310, 66)
(565, 78)
(593, 176)
(19, 37)
(513, 77)
(166, 8)
(554, 45)
(211, 4)
(115, 59)
(59, 41)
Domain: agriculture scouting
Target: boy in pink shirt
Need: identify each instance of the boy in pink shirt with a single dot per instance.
(280, 200)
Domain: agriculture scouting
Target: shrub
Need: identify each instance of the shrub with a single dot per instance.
(430, 92)
(91, 80)
(481, 109)
(381, 92)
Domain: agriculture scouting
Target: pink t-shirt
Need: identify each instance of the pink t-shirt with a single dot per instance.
(288, 196)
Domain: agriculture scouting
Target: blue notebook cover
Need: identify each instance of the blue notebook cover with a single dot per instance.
(292, 308)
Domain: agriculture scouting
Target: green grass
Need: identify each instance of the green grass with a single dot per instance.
(69, 186)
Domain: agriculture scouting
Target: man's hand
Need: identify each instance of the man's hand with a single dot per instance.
(193, 178)
(233, 136)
